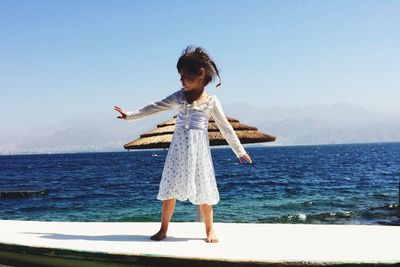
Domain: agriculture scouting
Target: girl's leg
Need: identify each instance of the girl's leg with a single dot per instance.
(167, 210)
(207, 212)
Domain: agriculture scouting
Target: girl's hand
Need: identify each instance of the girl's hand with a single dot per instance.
(120, 110)
(247, 157)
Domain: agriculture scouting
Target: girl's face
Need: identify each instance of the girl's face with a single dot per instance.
(191, 82)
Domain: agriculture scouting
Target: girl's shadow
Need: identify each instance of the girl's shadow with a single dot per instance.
(136, 238)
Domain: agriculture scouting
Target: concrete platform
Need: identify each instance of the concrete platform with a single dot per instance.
(47, 243)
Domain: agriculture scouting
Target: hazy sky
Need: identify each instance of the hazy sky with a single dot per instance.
(60, 59)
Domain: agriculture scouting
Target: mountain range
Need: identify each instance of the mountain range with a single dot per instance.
(319, 124)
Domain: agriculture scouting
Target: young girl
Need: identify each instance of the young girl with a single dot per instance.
(188, 170)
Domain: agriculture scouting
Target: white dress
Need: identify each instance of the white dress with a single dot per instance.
(188, 170)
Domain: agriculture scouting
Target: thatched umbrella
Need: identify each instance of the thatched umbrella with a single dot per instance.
(161, 136)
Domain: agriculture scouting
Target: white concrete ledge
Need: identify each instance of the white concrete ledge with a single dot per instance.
(46, 242)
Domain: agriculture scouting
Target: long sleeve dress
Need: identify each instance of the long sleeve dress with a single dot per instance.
(188, 171)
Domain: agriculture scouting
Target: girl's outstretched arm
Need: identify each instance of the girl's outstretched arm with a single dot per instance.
(167, 103)
(226, 129)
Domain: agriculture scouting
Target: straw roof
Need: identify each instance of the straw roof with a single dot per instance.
(161, 136)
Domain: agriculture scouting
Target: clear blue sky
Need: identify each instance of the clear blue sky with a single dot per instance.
(60, 59)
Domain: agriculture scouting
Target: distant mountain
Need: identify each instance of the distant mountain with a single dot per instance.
(320, 124)
(94, 132)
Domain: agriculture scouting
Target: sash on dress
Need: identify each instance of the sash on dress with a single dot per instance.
(193, 119)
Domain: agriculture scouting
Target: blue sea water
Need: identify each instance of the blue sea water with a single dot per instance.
(318, 184)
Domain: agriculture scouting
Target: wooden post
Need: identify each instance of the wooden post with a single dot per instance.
(199, 217)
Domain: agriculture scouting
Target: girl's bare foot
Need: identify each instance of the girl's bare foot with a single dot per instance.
(160, 235)
(211, 237)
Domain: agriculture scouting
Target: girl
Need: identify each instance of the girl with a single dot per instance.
(188, 170)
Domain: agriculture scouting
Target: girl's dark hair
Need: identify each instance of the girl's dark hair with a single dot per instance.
(192, 59)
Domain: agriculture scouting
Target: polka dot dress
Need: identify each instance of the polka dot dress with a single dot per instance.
(188, 170)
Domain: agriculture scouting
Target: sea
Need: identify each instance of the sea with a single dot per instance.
(309, 184)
